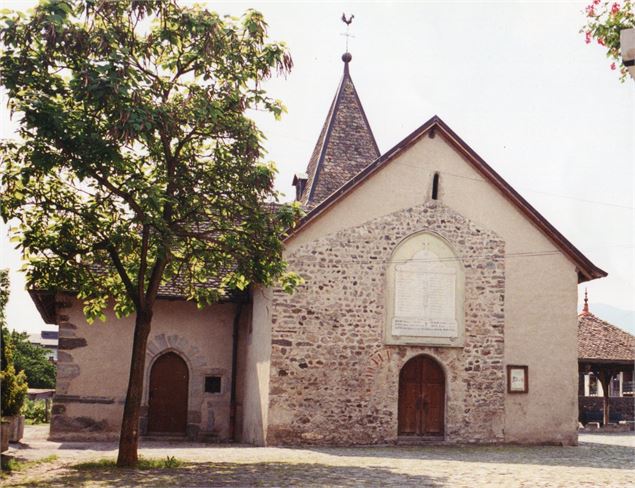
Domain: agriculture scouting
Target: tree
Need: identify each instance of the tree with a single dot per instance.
(138, 163)
(605, 21)
(13, 386)
(33, 360)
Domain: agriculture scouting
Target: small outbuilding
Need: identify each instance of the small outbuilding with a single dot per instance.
(606, 356)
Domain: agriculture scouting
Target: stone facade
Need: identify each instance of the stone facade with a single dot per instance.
(334, 380)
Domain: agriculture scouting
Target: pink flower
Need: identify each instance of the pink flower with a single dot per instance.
(613, 66)
(596, 2)
(615, 8)
(587, 37)
(590, 11)
(601, 41)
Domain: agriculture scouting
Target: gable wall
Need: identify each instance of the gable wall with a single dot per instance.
(540, 292)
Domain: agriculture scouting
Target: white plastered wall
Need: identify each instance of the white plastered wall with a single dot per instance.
(203, 337)
(255, 364)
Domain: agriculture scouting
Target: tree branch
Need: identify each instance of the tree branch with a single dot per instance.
(143, 263)
(124, 275)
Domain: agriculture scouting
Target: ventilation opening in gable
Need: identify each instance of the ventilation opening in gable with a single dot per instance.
(435, 186)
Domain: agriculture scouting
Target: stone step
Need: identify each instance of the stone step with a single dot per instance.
(169, 437)
(413, 440)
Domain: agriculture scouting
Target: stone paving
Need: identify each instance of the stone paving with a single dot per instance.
(601, 460)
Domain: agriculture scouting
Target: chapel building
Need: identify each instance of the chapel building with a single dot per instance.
(438, 304)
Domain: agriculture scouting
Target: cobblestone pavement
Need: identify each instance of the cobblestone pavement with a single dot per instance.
(601, 460)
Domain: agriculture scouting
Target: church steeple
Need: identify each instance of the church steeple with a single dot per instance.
(346, 145)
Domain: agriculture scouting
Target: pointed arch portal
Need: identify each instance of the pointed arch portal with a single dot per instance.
(421, 398)
(167, 408)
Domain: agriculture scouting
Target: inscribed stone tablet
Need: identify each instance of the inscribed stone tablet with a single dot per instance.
(425, 302)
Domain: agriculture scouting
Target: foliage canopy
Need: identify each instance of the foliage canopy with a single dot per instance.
(604, 22)
(33, 360)
(138, 165)
(139, 172)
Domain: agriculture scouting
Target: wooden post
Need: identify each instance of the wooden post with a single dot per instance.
(605, 376)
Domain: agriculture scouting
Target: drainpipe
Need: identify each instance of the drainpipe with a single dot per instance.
(232, 401)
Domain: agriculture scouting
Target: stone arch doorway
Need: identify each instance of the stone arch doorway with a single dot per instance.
(167, 402)
(421, 398)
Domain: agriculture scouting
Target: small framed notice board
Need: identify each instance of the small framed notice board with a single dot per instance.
(517, 379)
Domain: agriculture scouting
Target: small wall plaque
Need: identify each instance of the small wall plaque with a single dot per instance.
(517, 379)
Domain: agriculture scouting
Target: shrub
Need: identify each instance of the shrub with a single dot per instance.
(12, 384)
(35, 411)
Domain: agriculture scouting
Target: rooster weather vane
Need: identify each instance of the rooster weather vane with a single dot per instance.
(348, 24)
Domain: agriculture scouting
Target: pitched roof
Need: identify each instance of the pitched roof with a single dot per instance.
(346, 144)
(599, 340)
(586, 269)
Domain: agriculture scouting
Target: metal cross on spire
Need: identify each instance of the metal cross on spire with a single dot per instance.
(348, 22)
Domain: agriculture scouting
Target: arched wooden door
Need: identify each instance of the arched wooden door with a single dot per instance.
(167, 409)
(421, 398)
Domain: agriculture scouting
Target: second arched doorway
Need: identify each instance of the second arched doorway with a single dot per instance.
(167, 402)
(421, 398)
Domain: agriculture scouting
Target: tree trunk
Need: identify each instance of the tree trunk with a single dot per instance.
(129, 438)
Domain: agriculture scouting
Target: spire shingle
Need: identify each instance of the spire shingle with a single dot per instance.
(346, 144)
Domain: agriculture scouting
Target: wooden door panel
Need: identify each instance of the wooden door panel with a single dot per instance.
(432, 372)
(435, 396)
(421, 397)
(408, 415)
(167, 409)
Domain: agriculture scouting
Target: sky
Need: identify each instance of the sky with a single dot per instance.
(515, 80)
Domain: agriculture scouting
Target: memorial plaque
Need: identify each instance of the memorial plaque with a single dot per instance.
(425, 298)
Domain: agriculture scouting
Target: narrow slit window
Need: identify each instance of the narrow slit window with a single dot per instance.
(435, 186)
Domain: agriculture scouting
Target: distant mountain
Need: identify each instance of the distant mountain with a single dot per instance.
(624, 319)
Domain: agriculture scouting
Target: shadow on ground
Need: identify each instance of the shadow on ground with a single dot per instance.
(235, 474)
(585, 455)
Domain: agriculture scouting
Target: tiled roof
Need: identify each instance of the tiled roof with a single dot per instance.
(597, 339)
(173, 288)
(346, 145)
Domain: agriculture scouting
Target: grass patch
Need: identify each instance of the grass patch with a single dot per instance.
(12, 465)
(169, 462)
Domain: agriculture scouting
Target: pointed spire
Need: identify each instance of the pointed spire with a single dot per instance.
(585, 309)
(346, 144)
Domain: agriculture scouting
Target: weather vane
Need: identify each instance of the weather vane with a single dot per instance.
(348, 24)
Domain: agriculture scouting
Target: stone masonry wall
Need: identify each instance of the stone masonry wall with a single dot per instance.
(334, 381)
